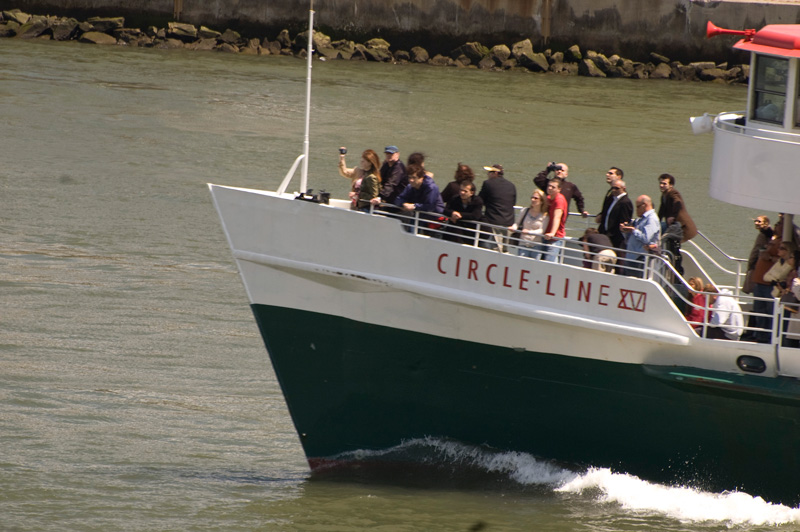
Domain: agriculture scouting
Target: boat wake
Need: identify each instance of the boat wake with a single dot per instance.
(602, 485)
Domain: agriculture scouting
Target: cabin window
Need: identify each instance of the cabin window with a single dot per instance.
(770, 88)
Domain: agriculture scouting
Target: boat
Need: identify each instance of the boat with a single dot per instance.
(486, 348)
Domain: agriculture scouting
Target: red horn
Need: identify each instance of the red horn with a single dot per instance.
(713, 30)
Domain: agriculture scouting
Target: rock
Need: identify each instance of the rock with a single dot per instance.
(462, 61)
(627, 67)
(327, 52)
(359, 53)
(640, 71)
(9, 29)
(96, 37)
(687, 73)
(228, 48)
(129, 36)
(169, 44)
(320, 41)
(658, 59)
(32, 29)
(208, 33)
(702, 65)
(522, 48)
(106, 24)
(344, 45)
(573, 54)
(499, 53)
(487, 63)
(204, 44)
(182, 32)
(509, 63)
(525, 56)
(284, 40)
(161, 34)
(231, 37)
(557, 57)
(381, 55)
(246, 50)
(402, 56)
(274, 47)
(711, 74)
(602, 63)
(419, 55)
(377, 44)
(65, 29)
(441, 60)
(734, 75)
(151, 31)
(15, 15)
(661, 71)
(587, 67)
(475, 51)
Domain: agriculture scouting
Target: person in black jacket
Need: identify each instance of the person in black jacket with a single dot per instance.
(463, 212)
(569, 189)
(499, 197)
(616, 210)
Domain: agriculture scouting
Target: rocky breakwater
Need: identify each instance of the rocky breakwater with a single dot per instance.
(520, 56)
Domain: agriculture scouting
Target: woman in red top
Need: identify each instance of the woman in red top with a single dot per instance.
(697, 315)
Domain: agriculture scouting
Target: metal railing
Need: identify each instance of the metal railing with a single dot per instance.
(657, 266)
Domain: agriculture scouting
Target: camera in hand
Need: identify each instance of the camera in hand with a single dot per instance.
(552, 167)
(342, 150)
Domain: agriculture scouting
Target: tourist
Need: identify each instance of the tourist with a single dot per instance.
(697, 314)
(726, 321)
(596, 252)
(499, 196)
(530, 226)
(421, 194)
(557, 218)
(394, 178)
(370, 180)
(464, 212)
(762, 289)
(616, 209)
(761, 224)
(642, 237)
(453, 188)
(568, 189)
(355, 175)
(676, 224)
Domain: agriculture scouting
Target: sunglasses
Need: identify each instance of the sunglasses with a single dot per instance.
(616, 188)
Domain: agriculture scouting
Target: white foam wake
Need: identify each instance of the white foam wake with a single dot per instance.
(684, 504)
(629, 492)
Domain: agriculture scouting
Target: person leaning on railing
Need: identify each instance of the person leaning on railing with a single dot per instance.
(726, 321)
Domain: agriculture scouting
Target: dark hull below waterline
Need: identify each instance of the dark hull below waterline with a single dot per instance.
(355, 386)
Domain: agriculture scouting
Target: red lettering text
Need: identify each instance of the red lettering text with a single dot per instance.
(439, 263)
(523, 279)
(488, 274)
(584, 291)
(603, 294)
(472, 273)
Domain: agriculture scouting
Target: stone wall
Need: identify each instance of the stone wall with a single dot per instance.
(628, 27)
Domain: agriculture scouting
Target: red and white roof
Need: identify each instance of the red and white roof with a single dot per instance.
(774, 39)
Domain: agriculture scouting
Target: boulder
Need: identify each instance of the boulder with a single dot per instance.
(573, 54)
(151, 31)
(557, 57)
(169, 44)
(462, 61)
(15, 15)
(96, 37)
(475, 51)
(419, 55)
(208, 33)
(65, 29)
(227, 48)
(9, 29)
(182, 32)
(658, 59)
(602, 62)
(587, 67)
(344, 45)
(32, 29)
(381, 55)
(627, 67)
(359, 53)
(106, 24)
(129, 36)
(204, 44)
(377, 44)
(274, 47)
(525, 56)
(640, 71)
(441, 60)
(284, 40)
(711, 74)
(487, 63)
(661, 71)
(402, 56)
(499, 53)
(508, 64)
(320, 41)
(231, 37)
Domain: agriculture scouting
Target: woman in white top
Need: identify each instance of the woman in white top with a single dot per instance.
(531, 225)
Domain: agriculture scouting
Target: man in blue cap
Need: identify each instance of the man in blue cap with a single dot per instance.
(394, 178)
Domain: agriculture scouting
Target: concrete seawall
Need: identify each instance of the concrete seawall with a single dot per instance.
(633, 28)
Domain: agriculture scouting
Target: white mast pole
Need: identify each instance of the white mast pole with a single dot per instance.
(304, 172)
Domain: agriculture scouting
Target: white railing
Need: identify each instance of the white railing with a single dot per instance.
(734, 122)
